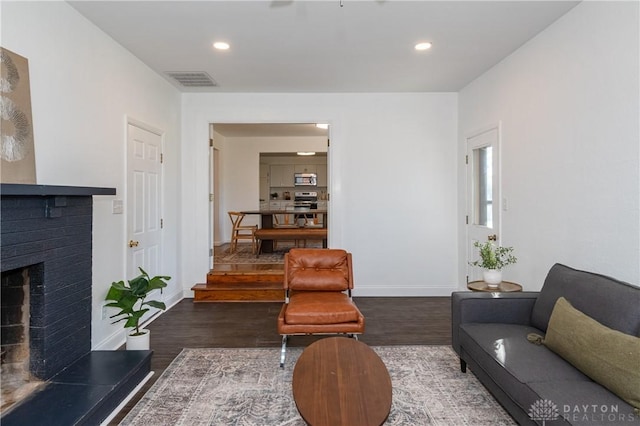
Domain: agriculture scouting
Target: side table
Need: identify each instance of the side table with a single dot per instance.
(504, 286)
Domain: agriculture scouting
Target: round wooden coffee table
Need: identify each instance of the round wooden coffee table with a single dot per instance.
(341, 381)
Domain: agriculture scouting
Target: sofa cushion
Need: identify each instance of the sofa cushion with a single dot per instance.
(611, 302)
(608, 356)
(508, 345)
(320, 308)
(318, 270)
(505, 355)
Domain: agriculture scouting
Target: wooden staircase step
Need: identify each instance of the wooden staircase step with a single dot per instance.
(242, 292)
(244, 285)
(240, 275)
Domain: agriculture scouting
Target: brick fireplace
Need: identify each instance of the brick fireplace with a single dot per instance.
(46, 256)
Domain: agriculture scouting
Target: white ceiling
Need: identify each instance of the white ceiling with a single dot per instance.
(324, 46)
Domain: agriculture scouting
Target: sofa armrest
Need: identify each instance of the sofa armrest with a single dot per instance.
(486, 307)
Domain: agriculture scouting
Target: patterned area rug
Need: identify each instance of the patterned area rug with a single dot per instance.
(244, 255)
(247, 387)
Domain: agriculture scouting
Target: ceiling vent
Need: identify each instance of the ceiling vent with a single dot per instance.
(193, 78)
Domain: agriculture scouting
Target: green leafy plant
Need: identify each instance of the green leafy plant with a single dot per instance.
(493, 257)
(130, 299)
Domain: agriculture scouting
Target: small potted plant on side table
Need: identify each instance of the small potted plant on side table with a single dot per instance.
(130, 299)
(492, 260)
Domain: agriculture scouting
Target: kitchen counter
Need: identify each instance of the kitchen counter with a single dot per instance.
(285, 211)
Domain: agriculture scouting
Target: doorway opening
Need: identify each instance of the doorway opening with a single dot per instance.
(482, 193)
(247, 161)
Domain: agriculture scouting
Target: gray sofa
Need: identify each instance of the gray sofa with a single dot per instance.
(489, 333)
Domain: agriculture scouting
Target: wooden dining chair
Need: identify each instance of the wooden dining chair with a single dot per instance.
(289, 220)
(313, 220)
(242, 232)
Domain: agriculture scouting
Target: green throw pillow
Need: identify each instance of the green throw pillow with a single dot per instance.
(609, 357)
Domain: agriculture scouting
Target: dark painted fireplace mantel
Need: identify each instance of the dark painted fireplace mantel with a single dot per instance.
(52, 190)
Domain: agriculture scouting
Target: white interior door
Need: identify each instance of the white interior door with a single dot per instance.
(483, 193)
(144, 219)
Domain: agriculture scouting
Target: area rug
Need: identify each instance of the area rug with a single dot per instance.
(244, 254)
(247, 387)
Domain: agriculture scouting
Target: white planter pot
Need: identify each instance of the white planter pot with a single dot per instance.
(492, 277)
(138, 343)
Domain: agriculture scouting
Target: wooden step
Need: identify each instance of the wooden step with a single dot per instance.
(246, 291)
(214, 278)
(230, 273)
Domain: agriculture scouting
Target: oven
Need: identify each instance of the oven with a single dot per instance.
(303, 201)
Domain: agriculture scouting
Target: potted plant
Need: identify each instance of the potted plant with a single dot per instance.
(130, 299)
(492, 260)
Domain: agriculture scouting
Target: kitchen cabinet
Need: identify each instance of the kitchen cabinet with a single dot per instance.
(305, 168)
(264, 181)
(322, 175)
(275, 205)
(281, 175)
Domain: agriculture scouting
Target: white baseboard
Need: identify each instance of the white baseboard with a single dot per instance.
(113, 342)
(360, 291)
(173, 300)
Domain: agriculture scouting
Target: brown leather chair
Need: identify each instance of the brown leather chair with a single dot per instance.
(318, 284)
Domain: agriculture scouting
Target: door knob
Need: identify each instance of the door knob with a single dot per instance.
(493, 237)
(133, 243)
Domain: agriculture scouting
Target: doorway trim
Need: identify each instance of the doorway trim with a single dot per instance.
(212, 184)
(497, 192)
(130, 121)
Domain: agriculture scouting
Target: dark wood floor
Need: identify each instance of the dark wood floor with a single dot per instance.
(389, 321)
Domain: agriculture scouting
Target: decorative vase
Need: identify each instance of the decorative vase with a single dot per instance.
(138, 343)
(492, 277)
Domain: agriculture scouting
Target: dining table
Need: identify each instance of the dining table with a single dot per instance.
(266, 220)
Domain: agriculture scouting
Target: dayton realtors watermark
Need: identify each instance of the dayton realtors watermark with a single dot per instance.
(547, 411)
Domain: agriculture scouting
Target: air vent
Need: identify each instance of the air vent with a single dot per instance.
(193, 78)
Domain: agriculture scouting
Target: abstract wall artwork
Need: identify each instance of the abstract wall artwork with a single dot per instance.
(18, 163)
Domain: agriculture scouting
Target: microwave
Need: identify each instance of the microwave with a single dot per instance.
(305, 179)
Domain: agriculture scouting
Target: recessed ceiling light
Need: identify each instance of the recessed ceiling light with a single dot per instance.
(306, 153)
(423, 46)
(221, 45)
(322, 125)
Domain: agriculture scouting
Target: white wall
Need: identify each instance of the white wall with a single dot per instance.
(392, 163)
(568, 102)
(83, 87)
